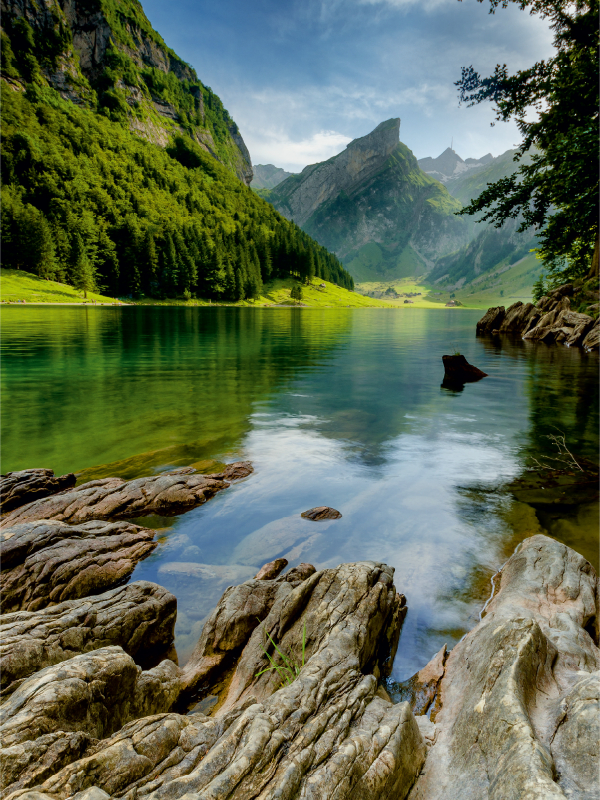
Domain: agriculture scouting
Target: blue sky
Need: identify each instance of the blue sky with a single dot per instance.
(302, 78)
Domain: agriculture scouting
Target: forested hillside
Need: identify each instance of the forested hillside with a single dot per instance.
(122, 171)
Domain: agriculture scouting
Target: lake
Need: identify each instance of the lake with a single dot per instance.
(333, 407)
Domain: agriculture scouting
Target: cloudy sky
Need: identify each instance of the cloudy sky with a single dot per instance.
(302, 78)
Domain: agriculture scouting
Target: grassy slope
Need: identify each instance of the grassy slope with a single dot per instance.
(504, 290)
(16, 285)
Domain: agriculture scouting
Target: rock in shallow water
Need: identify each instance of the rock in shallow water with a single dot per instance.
(139, 617)
(17, 488)
(48, 562)
(165, 494)
(321, 512)
(523, 674)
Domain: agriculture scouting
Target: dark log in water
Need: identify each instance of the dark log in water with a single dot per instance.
(458, 370)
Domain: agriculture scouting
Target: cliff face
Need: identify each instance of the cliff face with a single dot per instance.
(110, 58)
(375, 208)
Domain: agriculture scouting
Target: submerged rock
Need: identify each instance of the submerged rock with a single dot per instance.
(321, 512)
(139, 617)
(165, 494)
(48, 562)
(17, 488)
(517, 707)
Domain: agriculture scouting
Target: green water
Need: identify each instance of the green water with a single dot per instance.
(333, 407)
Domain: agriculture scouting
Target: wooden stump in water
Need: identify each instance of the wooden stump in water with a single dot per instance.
(458, 370)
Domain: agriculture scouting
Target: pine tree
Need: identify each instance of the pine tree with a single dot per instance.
(84, 276)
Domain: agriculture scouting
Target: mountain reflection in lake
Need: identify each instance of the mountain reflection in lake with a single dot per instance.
(333, 407)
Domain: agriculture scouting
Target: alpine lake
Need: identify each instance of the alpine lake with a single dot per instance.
(343, 408)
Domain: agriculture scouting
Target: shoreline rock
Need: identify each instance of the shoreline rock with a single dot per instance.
(167, 494)
(551, 320)
(26, 485)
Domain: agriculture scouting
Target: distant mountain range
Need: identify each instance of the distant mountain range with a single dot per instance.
(387, 215)
(266, 176)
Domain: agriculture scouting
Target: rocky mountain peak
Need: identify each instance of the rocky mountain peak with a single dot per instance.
(302, 194)
(449, 164)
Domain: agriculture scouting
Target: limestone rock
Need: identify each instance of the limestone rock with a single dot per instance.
(577, 335)
(517, 316)
(271, 570)
(515, 681)
(325, 735)
(78, 561)
(139, 617)
(165, 494)
(491, 320)
(17, 488)
(592, 340)
(321, 512)
(421, 690)
(93, 695)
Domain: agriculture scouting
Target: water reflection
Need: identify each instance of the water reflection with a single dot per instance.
(340, 408)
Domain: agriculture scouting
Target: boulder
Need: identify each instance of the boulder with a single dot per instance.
(541, 333)
(572, 319)
(458, 370)
(57, 712)
(166, 494)
(592, 340)
(577, 335)
(139, 617)
(17, 488)
(50, 561)
(271, 570)
(517, 317)
(321, 512)
(492, 319)
(516, 714)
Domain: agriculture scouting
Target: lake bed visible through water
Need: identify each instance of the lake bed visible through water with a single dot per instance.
(343, 408)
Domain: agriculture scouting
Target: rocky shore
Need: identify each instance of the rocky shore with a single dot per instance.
(550, 320)
(93, 703)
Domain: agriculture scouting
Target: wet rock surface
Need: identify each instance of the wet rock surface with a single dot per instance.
(521, 687)
(321, 512)
(113, 498)
(50, 561)
(551, 321)
(139, 617)
(18, 488)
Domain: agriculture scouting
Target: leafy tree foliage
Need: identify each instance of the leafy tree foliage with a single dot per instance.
(87, 202)
(557, 192)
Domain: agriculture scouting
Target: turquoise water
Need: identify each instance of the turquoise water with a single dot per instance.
(333, 407)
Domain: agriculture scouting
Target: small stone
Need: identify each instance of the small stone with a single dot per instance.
(321, 512)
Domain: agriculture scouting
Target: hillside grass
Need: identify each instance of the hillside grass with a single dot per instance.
(16, 286)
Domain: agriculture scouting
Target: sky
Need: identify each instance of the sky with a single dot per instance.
(302, 78)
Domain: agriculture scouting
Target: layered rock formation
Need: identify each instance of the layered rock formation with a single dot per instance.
(294, 662)
(18, 488)
(516, 712)
(374, 194)
(168, 493)
(550, 320)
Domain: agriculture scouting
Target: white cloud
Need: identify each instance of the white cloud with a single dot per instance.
(279, 149)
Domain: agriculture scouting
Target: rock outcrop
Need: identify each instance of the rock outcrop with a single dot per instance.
(66, 562)
(18, 488)
(113, 498)
(56, 713)
(550, 320)
(516, 712)
(139, 617)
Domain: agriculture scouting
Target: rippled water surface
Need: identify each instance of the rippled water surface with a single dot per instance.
(333, 407)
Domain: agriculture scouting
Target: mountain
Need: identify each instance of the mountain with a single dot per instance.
(267, 176)
(373, 205)
(122, 171)
(449, 165)
(105, 54)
